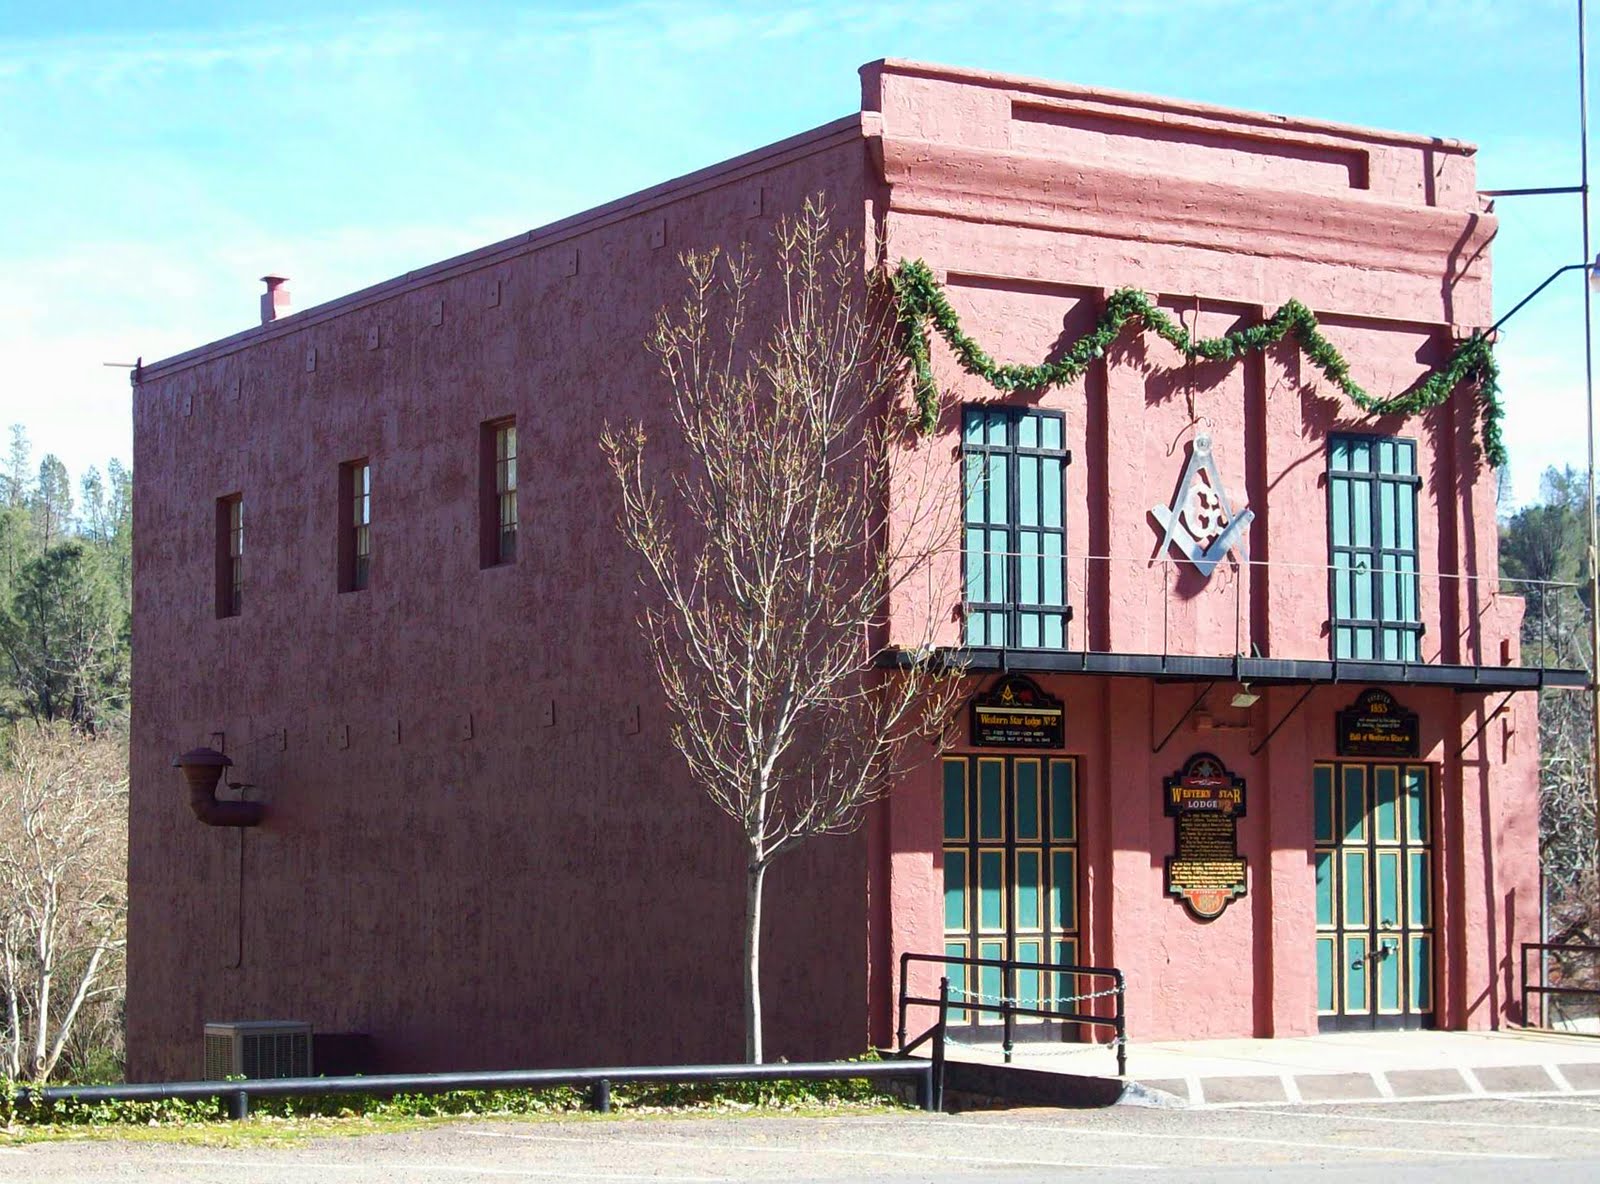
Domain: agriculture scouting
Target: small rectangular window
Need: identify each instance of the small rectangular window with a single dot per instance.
(230, 555)
(498, 492)
(355, 525)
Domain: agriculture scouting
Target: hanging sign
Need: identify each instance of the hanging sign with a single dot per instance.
(1205, 802)
(1376, 725)
(1015, 713)
(1201, 523)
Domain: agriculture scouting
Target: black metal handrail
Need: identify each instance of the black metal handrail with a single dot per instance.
(598, 1081)
(1542, 988)
(1008, 1007)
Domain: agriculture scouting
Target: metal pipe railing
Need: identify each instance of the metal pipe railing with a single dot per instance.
(598, 1081)
(1542, 988)
(1007, 1006)
(1443, 612)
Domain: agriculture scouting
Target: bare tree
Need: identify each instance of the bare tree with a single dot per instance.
(770, 559)
(1542, 558)
(63, 890)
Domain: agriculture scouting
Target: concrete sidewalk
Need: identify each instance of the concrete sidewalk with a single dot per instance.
(1345, 1067)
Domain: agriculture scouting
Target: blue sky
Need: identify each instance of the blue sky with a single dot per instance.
(159, 157)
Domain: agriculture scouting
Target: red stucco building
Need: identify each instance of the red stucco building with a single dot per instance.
(478, 847)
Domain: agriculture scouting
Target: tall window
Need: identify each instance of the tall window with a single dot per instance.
(230, 555)
(1372, 515)
(498, 498)
(355, 530)
(1014, 461)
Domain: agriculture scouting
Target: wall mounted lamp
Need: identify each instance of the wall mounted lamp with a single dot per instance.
(1244, 697)
(202, 769)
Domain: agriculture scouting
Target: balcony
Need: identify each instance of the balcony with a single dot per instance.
(1273, 622)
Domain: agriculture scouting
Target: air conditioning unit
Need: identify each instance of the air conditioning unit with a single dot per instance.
(258, 1049)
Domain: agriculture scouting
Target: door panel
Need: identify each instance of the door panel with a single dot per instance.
(1373, 884)
(1010, 876)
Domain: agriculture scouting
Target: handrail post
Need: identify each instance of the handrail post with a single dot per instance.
(1239, 573)
(239, 1105)
(1121, 1016)
(1526, 1023)
(1008, 1002)
(938, 1043)
(600, 1099)
(904, 970)
(1007, 1008)
(1084, 626)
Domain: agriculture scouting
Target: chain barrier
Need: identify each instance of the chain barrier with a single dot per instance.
(961, 993)
(1031, 1048)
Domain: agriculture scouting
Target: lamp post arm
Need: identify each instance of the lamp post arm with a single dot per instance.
(1550, 279)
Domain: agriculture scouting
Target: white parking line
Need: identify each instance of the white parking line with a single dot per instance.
(409, 1166)
(1168, 1136)
(810, 1150)
(1466, 1122)
(1570, 1103)
(1494, 1097)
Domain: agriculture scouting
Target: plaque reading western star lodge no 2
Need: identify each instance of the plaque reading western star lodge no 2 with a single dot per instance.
(1016, 713)
(1205, 802)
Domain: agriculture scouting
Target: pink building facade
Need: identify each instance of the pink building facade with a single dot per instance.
(1291, 787)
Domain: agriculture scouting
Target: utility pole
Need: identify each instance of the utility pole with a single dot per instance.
(1588, 390)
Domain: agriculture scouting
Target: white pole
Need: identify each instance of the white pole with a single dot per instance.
(1588, 391)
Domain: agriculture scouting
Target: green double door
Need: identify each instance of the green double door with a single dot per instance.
(1010, 878)
(1374, 895)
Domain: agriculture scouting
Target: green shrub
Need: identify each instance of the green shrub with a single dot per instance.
(783, 1095)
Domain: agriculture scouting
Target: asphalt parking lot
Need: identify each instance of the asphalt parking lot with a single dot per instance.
(1498, 1139)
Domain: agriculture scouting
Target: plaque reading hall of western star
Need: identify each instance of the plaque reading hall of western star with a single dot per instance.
(1015, 713)
(1375, 725)
(1205, 802)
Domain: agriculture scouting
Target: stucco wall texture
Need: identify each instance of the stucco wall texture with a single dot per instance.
(480, 849)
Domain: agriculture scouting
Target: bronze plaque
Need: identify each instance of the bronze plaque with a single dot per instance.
(1376, 725)
(1015, 713)
(1205, 802)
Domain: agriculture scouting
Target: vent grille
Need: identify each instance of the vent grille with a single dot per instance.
(219, 1056)
(257, 1049)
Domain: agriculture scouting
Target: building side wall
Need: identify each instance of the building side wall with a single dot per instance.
(480, 848)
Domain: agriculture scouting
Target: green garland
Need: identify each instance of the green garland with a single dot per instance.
(920, 299)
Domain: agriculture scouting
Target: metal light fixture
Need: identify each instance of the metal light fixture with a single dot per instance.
(202, 769)
(1244, 697)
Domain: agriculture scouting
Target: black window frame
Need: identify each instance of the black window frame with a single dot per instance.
(1381, 558)
(1010, 608)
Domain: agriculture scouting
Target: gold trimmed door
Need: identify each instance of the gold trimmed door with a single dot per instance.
(1373, 869)
(1011, 877)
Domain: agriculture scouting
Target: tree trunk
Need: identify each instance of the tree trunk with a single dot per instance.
(754, 879)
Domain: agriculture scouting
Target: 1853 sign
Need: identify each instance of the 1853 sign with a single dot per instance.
(1015, 713)
(1205, 802)
(1375, 725)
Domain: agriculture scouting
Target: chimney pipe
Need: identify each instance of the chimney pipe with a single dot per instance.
(275, 300)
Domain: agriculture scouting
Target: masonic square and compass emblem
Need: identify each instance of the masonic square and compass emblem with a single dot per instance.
(1201, 522)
